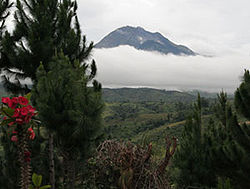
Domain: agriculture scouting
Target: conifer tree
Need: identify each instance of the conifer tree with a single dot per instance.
(41, 29)
(230, 151)
(8, 177)
(242, 96)
(5, 5)
(191, 157)
(69, 108)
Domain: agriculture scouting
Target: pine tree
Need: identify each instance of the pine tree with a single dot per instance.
(242, 96)
(42, 28)
(5, 5)
(230, 151)
(191, 157)
(8, 177)
(69, 108)
(242, 132)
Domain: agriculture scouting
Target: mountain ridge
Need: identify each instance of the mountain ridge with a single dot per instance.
(141, 39)
(145, 94)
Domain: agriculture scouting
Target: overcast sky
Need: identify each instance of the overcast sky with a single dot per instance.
(207, 26)
(217, 28)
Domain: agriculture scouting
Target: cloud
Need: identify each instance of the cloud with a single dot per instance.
(126, 66)
(208, 26)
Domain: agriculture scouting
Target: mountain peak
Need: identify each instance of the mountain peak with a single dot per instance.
(141, 39)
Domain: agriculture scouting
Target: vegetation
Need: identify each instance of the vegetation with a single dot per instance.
(64, 101)
(125, 165)
(145, 95)
(146, 138)
(42, 28)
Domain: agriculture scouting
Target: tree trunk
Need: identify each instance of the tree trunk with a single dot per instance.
(72, 174)
(51, 161)
(69, 171)
(23, 157)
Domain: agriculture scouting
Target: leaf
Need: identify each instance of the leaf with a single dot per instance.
(31, 187)
(28, 96)
(8, 111)
(40, 178)
(36, 179)
(5, 122)
(46, 186)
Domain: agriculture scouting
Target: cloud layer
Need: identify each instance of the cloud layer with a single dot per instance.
(209, 26)
(126, 66)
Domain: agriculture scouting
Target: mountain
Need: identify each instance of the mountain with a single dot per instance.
(141, 39)
(145, 95)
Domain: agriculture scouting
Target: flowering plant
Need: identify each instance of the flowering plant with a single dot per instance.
(17, 111)
(17, 116)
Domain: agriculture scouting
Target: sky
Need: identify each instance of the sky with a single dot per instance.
(219, 30)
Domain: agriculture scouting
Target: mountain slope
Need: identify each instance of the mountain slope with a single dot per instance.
(145, 95)
(141, 39)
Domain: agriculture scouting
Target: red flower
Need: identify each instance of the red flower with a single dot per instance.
(11, 123)
(32, 133)
(27, 154)
(17, 112)
(14, 138)
(31, 109)
(19, 121)
(27, 159)
(11, 102)
(4, 118)
(22, 100)
(14, 100)
(11, 105)
(27, 118)
(5, 100)
(24, 111)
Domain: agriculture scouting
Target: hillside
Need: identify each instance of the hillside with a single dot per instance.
(145, 94)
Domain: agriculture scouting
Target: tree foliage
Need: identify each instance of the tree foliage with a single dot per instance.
(191, 158)
(42, 28)
(69, 107)
(5, 5)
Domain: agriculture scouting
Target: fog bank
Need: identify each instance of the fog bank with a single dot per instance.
(126, 66)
